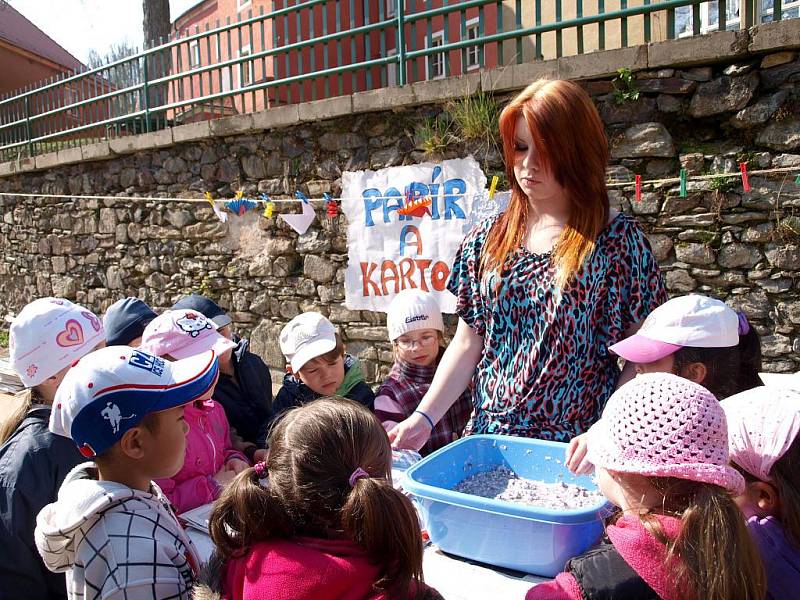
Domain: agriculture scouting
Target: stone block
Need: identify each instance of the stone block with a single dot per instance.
(778, 58)
(781, 135)
(327, 108)
(98, 151)
(643, 141)
(191, 132)
(319, 269)
(695, 254)
(514, 77)
(603, 63)
(679, 281)
(384, 99)
(7, 168)
(697, 50)
(69, 156)
(232, 125)
(275, 117)
(784, 256)
(445, 89)
(723, 94)
(780, 35)
(738, 255)
(47, 161)
(145, 141)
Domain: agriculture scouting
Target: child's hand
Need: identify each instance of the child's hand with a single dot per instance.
(576, 455)
(411, 434)
(224, 477)
(260, 455)
(236, 465)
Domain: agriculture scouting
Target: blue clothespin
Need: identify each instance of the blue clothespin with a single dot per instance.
(301, 196)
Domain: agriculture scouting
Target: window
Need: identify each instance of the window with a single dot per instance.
(245, 68)
(391, 8)
(391, 69)
(194, 54)
(709, 18)
(242, 4)
(472, 54)
(789, 9)
(71, 97)
(435, 62)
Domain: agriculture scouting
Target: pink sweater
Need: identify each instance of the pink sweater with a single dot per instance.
(645, 554)
(208, 448)
(304, 569)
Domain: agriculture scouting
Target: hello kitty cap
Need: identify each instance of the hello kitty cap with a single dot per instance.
(111, 390)
(181, 334)
(50, 334)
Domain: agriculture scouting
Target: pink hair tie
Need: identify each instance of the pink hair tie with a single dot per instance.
(356, 475)
(261, 469)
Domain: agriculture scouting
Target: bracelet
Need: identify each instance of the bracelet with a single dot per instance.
(427, 418)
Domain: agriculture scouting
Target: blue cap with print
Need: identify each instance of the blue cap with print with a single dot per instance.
(111, 390)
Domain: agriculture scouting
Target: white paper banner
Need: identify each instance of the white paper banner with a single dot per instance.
(389, 251)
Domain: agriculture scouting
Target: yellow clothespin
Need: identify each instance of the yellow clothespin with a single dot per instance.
(238, 195)
(208, 197)
(493, 187)
(268, 207)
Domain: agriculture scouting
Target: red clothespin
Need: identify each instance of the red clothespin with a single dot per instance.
(638, 188)
(331, 207)
(745, 179)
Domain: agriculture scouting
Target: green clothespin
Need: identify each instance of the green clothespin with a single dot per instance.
(683, 183)
(797, 181)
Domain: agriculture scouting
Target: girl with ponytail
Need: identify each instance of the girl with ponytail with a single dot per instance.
(320, 517)
(661, 454)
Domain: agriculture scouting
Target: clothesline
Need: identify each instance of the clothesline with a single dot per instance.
(322, 201)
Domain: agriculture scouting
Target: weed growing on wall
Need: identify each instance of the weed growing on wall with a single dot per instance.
(625, 89)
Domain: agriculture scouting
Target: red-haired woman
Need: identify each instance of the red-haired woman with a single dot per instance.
(545, 288)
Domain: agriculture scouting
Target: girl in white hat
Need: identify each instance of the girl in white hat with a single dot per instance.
(415, 326)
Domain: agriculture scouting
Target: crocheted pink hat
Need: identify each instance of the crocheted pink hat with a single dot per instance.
(662, 425)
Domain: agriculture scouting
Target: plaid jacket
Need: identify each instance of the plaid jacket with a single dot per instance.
(115, 542)
(401, 393)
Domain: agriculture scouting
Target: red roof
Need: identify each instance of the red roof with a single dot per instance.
(19, 31)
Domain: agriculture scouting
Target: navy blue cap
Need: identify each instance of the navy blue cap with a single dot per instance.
(206, 307)
(125, 320)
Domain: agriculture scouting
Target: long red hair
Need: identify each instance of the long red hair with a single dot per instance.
(571, 144)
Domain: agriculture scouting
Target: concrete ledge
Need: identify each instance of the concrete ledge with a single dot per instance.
(445, 89)
(191, 132)
(515, 77)
(383, 99)
(98, 151)
(26, 164)
(277, 116)
(232, 125)
(46, 161)
(143, 141)
(774, 36)
(69, 156)
(7, 168)
(602, 64)
(714, 47)
(327, 108)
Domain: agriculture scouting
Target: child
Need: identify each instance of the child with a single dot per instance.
(763, 427)
(661, 453)
(696, 337)
(125, 321)
(321, 517)
(111, 529)
(319, 366)
(244, 388)
(211, 460)
(415, 326)
(46, 337)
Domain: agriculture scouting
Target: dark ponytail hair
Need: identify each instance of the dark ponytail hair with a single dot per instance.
(728, 370)
(313, 452)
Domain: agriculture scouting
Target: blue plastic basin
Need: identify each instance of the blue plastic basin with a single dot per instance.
(506, 534)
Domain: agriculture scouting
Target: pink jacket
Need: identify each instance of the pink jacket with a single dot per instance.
(305, 569)
(208, 449)
(645, 554)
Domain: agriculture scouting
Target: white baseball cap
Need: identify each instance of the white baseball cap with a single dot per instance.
(410, 310)
(694, 320)
(111, 390)
(306, 337)
(183, 333)
(50, 334)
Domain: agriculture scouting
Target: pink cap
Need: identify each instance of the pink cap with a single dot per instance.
(181, 334)
(762, 424)
(694, 320)
(662, 425)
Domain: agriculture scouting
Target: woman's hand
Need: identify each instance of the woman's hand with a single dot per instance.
(410, 434)
(576, 459)
(236, 465)
(224, 476)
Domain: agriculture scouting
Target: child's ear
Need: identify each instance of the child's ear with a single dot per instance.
(766, 497)
(695, 372)
(132, 444)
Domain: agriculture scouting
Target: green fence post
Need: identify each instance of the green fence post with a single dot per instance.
(401, 42)
(28, 128)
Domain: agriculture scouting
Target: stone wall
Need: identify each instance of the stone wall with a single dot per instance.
(740, 247)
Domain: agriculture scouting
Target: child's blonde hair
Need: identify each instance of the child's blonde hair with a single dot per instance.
(314, 451)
